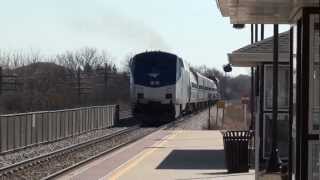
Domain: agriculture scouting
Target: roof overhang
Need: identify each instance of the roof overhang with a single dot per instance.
(261, 52)
(262, 11)
(254, 59)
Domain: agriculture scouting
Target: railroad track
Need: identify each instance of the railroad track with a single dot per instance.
(53, 164)
(35, 168)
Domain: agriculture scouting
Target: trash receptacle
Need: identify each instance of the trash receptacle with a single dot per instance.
(236, 150)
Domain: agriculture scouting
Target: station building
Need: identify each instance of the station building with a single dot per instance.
(293, 57)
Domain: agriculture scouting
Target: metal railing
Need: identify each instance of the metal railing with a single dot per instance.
(27, 129)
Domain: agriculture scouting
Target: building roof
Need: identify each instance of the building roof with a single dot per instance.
(262, 11)
(261, 52)
(266, 45)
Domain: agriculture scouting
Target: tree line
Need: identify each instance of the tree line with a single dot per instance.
(84, 77)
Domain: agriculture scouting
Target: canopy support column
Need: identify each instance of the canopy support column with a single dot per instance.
(274, 161)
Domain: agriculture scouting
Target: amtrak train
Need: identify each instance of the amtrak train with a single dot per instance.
(162, 83)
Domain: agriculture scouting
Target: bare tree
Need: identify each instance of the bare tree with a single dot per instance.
(126, 64)
(86, 59)
(16, 59)
(67, 60)
(51, 82)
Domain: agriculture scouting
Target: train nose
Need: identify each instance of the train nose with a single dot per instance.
(154, 75)
(162, 95)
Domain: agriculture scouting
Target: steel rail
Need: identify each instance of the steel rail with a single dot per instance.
(8, 170)
(12, 169)
(163, 127)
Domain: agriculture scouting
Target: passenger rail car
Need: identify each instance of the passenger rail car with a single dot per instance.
(163, 84)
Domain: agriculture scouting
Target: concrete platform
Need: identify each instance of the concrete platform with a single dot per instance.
(165, 155)
(180, 155)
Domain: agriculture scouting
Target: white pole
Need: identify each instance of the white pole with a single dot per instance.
(209, 119)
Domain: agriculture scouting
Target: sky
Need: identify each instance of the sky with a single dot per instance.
(193, 29)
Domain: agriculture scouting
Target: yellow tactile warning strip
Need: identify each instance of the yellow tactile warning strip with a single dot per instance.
(184, 155)
(116, 174)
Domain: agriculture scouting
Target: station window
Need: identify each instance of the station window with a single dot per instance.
(283, 85)
(314, 160)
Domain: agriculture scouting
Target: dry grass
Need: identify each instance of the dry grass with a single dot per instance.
(233, 116)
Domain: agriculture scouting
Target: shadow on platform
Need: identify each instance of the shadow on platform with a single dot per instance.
(194, 159)
(223, 175)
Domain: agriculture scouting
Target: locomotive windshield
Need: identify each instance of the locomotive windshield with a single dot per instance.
(154, 69)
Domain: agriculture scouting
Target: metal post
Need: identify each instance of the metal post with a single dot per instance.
(254, 38)
(262, 32)
(290, 107)
(257, 125)
(274, 160)
(79, 86)
(251, 33)
(252, 96)
(256, 32)
(245, 115)
(209, 119)
(217, 115)
(1, 80)
(222, 120)
(117, 115)
(106, 81)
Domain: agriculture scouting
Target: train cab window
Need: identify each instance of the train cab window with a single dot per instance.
(181, 63)
(178, 71)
